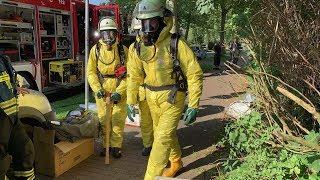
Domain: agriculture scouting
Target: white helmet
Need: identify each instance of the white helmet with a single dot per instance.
(150, 8)
(136, 24)
(170, 6)
(107, 24)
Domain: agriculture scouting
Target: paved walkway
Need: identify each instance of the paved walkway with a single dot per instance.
(197, 141)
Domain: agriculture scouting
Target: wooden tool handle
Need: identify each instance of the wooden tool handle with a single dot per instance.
(109, 107)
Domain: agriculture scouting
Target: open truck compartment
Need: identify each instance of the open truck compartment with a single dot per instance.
(17, 31)
(35, 34)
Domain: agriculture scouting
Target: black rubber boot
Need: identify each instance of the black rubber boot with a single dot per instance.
(103, 152)
(146, 151)
(116, 152)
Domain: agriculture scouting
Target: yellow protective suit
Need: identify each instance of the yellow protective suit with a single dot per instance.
(154, 68)
(146, 123)
(106, 65)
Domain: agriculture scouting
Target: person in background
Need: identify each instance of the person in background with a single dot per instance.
(235, 50)
(107, 79)
(217, 55)
(146, 123)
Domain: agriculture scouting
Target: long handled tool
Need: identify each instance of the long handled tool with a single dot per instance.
(109, 108)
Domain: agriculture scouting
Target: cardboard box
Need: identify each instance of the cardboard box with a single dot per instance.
(55, 159)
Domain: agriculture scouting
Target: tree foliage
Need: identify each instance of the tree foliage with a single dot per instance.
(232, 15)
(199, 28)
(205, 21)
(126, 6)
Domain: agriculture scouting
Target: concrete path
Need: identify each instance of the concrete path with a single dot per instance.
(197, 141)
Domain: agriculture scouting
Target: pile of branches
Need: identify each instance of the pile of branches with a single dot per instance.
(286, 75)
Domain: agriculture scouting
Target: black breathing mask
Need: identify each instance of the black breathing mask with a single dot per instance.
(109, 37)
(151, 29)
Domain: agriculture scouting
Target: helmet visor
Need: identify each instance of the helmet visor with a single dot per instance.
(109, 36)
(150, 25)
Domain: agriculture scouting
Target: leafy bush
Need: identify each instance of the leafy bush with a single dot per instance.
(248, 134)
(283, 143)
(253, 155)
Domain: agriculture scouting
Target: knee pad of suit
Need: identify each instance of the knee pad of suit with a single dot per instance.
(5, 161)
(21, 149)
(25, 156)
(3, 151)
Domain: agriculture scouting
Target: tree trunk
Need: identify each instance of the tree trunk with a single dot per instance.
(207, 38)
(175, 20)
(224, 12)
(187, 30)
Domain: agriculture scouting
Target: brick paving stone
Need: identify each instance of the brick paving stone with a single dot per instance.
(196, 141)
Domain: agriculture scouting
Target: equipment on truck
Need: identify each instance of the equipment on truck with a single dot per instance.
(34, 33)
(66, 72)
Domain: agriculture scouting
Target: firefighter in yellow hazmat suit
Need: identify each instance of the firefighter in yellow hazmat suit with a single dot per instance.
(144, 111)
(106, 76)
(169, 68)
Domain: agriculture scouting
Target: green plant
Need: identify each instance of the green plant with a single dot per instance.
(254, 155)
(206, 64)
(247, 135)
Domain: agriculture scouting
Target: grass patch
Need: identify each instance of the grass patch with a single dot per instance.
(62, 107)
(207, 63)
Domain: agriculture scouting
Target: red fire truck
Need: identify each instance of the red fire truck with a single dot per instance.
(45, 39)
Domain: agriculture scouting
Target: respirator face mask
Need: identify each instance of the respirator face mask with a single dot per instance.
(151, 29)
(109, 36)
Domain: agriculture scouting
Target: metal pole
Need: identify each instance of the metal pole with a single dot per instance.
(86, 53)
